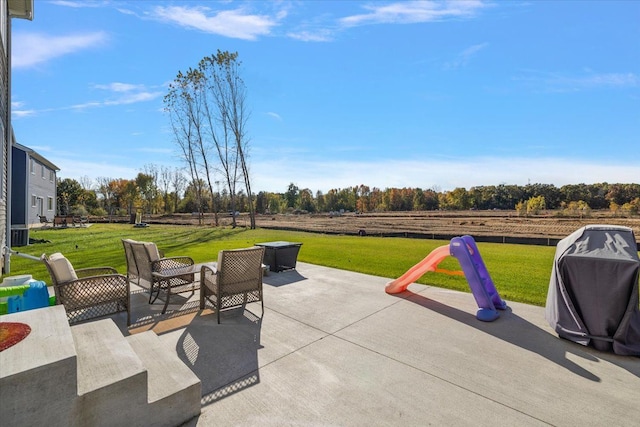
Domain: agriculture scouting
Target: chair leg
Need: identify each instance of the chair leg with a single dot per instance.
(166, 303)
(151, 292)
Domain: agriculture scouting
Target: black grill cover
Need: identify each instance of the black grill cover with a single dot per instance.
(593, 291)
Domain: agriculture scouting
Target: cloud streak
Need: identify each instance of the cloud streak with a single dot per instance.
(556, 82)
(413, 12)
(274, 115)
(32, 49)
(78, 4)
(126, 94)
(228, 23)
(463, 58)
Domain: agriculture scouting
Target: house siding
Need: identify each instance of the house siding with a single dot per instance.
(33, 187)
(4, 123)
(19, 213)
(41, 184)
(22, 10)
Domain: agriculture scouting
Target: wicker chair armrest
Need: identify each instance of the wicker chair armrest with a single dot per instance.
(171, 263)
(93, 290)
(116, 279)
(208, 269)
(95, 271)
(208, 275)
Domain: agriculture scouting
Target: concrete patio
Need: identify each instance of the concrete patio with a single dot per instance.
(332, 348)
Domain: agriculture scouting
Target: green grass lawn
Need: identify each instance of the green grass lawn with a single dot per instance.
(520, 272)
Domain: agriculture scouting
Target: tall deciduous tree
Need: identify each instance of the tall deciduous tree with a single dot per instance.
(69, 193)
(207, 109)
(107, 193)
(227, 119)
(183, 105)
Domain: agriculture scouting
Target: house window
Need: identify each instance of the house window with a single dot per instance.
(43, 174)
(52, 176)
(50, 203)
(32, 166)
(34, 200)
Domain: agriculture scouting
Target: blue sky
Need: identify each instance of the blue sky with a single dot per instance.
(429, 94)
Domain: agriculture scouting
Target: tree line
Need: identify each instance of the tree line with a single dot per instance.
(164, 190)
(530, 198)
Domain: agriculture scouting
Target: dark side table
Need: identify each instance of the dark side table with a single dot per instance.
(280, 255)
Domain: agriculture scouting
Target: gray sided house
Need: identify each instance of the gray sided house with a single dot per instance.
(33, 187)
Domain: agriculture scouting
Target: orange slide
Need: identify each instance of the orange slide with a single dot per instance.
(429, 263)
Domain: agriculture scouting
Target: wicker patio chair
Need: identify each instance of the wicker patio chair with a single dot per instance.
(87, 292)
(146, 266)
(235, 281)
(132, 268)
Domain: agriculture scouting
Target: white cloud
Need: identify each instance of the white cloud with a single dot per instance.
(31, 49)
(77, 4)
(465, 56)
(132, 98)
(229, 23)
(557, 82)
(129, 98)
(324, 35)
(274, 115)
(125, 94)
(119, 87)
(23, 113)
(412, 12)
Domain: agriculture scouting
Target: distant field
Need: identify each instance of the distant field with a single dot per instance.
(475, 223)
(493, 225)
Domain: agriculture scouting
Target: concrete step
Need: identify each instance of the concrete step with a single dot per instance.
(38, 374)
(174, 391)
(90, 374)
(112, 380)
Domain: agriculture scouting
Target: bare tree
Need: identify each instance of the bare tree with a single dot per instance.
(153, 172)
(228, 93)
(207, 111)
(86, 183)
(105, 189)
(165, 182)
(178, 182)
(181, 103)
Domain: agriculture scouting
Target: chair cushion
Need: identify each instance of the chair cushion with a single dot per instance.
(62, 268)
(152, 249)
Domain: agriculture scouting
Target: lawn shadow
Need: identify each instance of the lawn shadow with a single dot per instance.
(516, 330)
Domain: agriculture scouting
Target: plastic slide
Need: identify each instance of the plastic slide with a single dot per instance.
(464, 249)
(429, 263)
